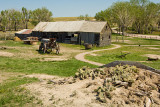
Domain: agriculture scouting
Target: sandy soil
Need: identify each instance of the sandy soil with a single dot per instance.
(53, 91)
(68, 95)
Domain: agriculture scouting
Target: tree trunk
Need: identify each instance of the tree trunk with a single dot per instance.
(5, 29)
(119, 30)
(15, 26)
(123, 29)
(26, 24)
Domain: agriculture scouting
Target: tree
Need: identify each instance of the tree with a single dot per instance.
(105, 15)
(86, 17)
(81, 17)
(146, 14)
(4, 20)
(26, 14)
(141, 15)
(16, 17)
(123, 15)
(41, 14)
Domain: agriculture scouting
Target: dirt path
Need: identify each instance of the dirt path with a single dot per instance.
(82, 55)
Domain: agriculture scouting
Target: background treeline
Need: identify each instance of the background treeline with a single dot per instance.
(14, 19)
(136, 16)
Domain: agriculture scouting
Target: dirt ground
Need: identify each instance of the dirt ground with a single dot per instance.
(67, 95)
(53, 91)
(1, 41)
(6, 54)
(32, 52)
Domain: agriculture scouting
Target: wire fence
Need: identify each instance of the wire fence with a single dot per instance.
(144, 36)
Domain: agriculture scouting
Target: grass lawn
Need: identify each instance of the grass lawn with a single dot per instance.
(62, 68)
(82, 47)
(134, 40)
(136, 54)
(12, 95)
(12, 43)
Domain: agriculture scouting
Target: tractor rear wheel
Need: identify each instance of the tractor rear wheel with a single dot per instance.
(44, 48)
(40, 47)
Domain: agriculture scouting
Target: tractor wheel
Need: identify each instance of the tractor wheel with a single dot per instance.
(57, 52)
(44, 48)
(40, 47)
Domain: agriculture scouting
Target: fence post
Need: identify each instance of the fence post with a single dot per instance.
(5, 36)
(123, 39)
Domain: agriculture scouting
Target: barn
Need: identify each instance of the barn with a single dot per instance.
(23, 34)
(76, 32)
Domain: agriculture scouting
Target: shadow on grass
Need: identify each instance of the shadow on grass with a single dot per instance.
(49, 53)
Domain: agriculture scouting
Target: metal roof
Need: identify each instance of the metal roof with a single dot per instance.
(70, 26)
(24, 31)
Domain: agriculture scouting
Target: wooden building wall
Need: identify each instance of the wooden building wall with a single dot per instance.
(100, 39)
(105, 36)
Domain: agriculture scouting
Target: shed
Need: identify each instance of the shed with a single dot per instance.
(77, 32)
(23, 34)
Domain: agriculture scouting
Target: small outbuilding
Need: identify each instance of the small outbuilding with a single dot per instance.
(77, 32)
(23, 34)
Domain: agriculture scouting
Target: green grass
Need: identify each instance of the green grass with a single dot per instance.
(72, 46)
(82, 47)
(11, 94)
(136, 54)
(135, 40)
(12, 43)
(68, 18)
(62, 68)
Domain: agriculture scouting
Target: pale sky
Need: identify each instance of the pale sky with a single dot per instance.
(62, 8)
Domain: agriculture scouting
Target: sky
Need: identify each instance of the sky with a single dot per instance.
(62, 8)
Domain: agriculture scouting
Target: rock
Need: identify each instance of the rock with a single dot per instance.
(120, 83)
(147, 102)
(73, 94)
(54, 82)
(127, 102)
(156, 101)
(117, 83)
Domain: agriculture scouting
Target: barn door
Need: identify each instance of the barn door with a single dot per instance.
(96, 39)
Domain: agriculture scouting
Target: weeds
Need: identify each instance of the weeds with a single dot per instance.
(13, 95)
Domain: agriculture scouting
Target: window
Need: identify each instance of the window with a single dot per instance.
(106, 27)
(109, 36)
